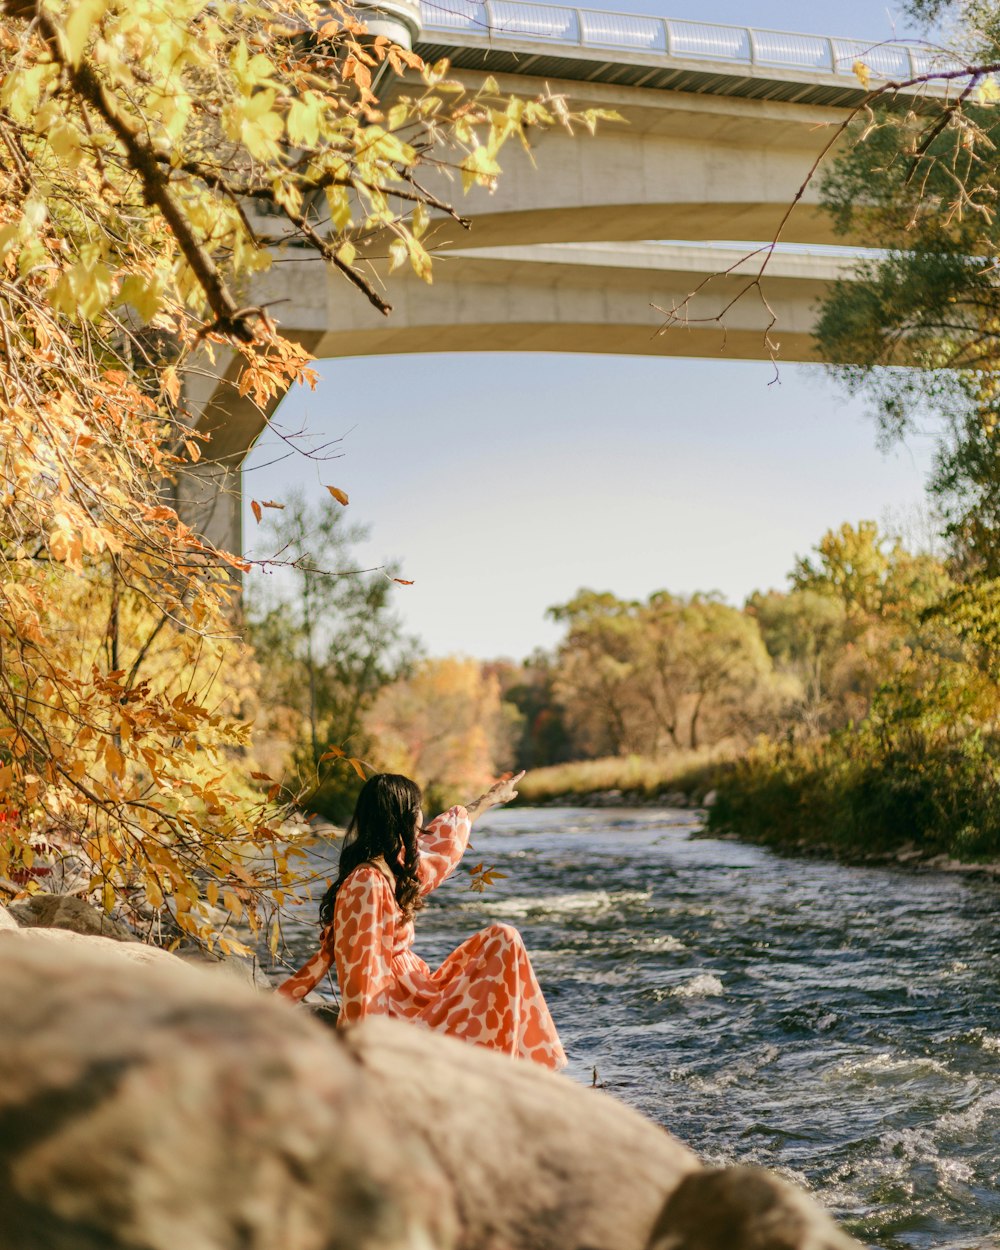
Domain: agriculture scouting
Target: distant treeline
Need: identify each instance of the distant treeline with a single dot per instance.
(857, 707)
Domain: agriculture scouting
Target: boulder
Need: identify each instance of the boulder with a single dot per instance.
(64, 944)
(744, 1209)
(66, 911)
(534, 1161)
(162, 1107)
(7, 921)
(152, 1105)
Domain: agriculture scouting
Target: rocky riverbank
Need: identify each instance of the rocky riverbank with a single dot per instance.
(147, 1102)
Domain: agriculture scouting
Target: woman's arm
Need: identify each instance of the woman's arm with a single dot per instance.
(442, 844)
(298, 985)
(502, 792)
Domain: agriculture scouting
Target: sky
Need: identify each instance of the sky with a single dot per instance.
(503, 483)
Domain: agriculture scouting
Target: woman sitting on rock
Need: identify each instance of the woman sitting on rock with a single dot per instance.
(484, 992)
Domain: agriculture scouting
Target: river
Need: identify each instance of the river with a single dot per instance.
(840, 1025)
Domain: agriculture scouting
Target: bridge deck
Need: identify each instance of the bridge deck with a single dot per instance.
(635, 50)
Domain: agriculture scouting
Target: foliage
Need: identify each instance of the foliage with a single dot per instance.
(151, 159)
(446, 727)
(530, 689)
(920, 185)
(645, 677)
(327, 641)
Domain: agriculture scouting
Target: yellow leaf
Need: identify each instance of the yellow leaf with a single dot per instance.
(80, 25)
(989, 91)
(339, 495)
(170, 383)
(862, 73)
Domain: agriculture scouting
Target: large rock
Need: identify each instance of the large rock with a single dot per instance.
(7, 921)
(64, 944)
(65, 911)
(161, 1107)
(156, 1106)
(535, 1161)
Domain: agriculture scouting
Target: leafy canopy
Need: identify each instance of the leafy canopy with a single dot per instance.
(153, 158)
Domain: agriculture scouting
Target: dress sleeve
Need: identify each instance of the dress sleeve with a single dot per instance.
(441, 846)
(363, 929)
(298, 985)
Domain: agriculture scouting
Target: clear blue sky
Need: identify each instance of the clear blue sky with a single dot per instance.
(505, 482)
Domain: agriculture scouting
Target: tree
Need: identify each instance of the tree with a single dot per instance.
(595, 672)
(920, 185)
(327, 641)
(657, 676)
(445, 726)
(530, 687)
(137, 142)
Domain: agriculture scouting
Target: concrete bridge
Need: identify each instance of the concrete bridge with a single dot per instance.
(722, 125)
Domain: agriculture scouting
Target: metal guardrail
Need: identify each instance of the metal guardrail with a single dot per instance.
(683, 40)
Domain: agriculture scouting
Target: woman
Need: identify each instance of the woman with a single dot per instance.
(484, 992)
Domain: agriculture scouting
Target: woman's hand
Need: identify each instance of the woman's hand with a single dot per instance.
(501, 791)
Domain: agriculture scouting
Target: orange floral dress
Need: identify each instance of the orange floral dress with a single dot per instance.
(484, 992)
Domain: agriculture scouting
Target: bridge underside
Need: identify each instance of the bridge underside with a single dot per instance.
(555, 261)
(592, 298)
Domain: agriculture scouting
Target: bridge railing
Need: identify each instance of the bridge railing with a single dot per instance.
(510, 20)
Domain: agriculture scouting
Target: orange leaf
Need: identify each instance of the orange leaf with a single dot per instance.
(255, 508)
(193, 450)
(332, 753)
(356, 765)
(339, 495)
(402, 581)
(271, 503)
(261, 777)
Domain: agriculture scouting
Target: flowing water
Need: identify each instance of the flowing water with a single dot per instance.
(840, 1025)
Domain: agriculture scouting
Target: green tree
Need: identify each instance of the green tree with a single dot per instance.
(327, 640)
(920, 186)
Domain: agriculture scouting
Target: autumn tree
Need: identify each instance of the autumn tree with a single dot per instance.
(142, 146)
(446, 726)
(651, 677)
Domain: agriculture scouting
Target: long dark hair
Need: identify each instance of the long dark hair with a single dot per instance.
(384, 823)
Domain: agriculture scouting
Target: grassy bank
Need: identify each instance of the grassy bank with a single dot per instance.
(631, 778)
(854, 796)
(849, 796)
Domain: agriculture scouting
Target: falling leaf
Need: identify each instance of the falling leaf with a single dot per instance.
(338, 494)
(989, 91)
(272, 503)
(255, 508)
(402, 581)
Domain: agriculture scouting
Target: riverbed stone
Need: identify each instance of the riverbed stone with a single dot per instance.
(66, 911)
(744, 1208)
